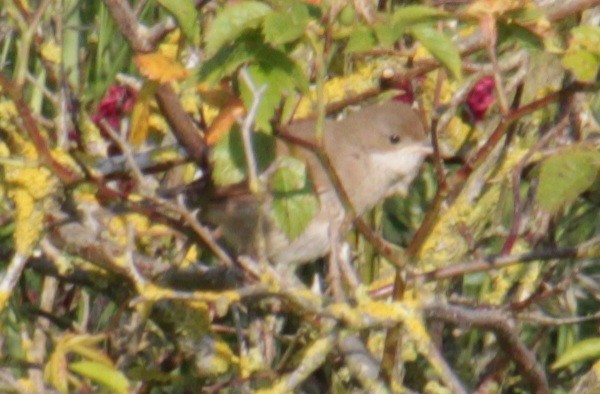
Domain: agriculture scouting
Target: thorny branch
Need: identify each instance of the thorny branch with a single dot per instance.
(181, 124)
(506, 333)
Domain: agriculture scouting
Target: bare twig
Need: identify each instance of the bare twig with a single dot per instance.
(11, 277)
(146, 184)
(247, 126)
(361, 363)
(516, 181)
(539, 319)
(589, 249)
(202, 232)
(504, 328)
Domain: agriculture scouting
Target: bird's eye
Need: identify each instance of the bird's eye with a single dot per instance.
(394, 138)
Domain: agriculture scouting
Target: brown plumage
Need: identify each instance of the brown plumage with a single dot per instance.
(375, 151)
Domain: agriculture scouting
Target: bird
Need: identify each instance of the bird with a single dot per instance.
(376, 151)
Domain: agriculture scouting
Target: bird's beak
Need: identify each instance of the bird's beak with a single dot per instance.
(424, 149)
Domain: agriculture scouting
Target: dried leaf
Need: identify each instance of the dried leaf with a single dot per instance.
(224, 121)
(158, 67)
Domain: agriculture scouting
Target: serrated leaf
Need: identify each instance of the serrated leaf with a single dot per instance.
(294, 204)
(583, 64)
(588, 349)
(231, 21)
(107, 376)
(251, 49)
(286, 25)
(229, 162)
(441, 47)
(361, 39)
(186, 15)
(414, 14)
(565, 175)
(229, 58)
(280, 77)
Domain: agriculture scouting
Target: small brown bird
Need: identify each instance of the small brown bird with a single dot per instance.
(375, 151)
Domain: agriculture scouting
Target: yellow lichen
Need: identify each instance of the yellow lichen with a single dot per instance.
(29, 221)
(470, 212)
(38, 182)
(119, 225)
(51, 51)
(340, 88)
(158, 124)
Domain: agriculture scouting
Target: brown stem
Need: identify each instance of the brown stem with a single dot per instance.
(506, 334)
(66, 175)
(586, 250)
(183, 128)
(140, 40)
(455, 185)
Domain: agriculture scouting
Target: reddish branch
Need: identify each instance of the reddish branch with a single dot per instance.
(455, 185)
(473, 43)
(503, 326)
(143, 40)
(66, 175)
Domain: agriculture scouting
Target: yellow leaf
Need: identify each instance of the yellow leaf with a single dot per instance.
(56, 371)
(140, 115)
(158, 67)
(51, 51)
(171, 44)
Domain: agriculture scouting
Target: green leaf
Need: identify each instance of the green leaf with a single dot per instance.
(528, 15)
(186, 15)
(386, 34)
(509, 32)
(286, 25)
(294, 204)
(361, 39)
(441, 47)
(229, 160)
(347, 15)
(107, 376)
(586, 37)
(229, 58)
(588, 349)
(583, 64)
(415, 14)
(232, 21)
(565, 175)
(251, 49)
(280, 77)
